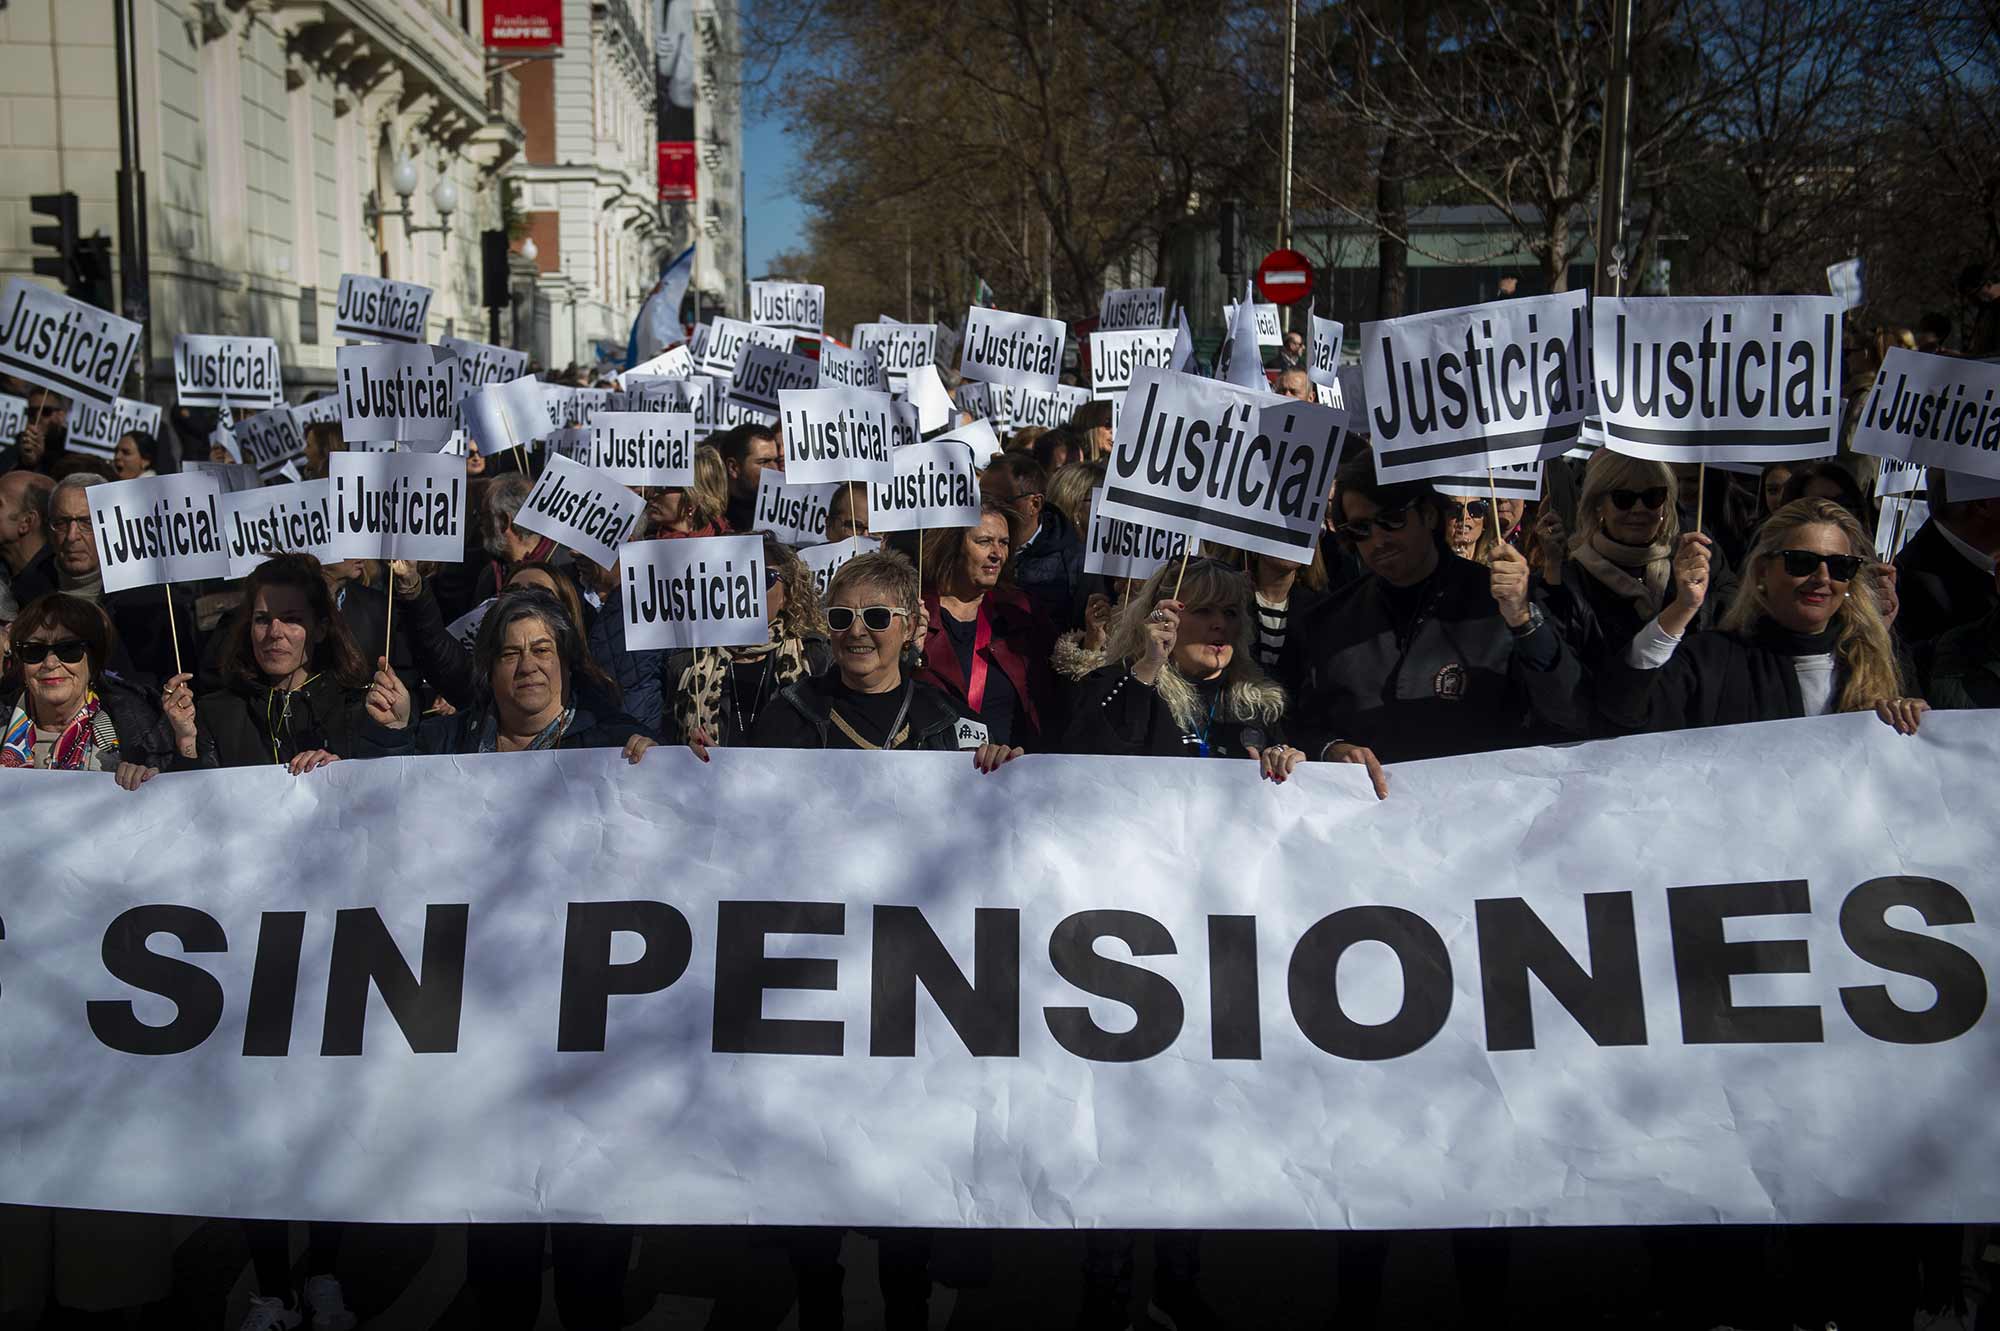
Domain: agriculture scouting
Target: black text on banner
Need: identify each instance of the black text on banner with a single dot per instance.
(408, 394)
(582, 508)
(763, 373)
(836, 434)
(644, 448)
(378, 309)
(1115, 356)
(241, 372)
(274, 519)
(1126, 549)
(75, 349)
(481, 363)
(158, 529)
(703, 591)
(1132, 307)
(934, 486)
(898, 348)
(398, 506)
(270, 439)
(1017, 349)
(1933, 411)
(794, 307)
(795, 514)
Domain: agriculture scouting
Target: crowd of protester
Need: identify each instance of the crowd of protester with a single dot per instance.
(1423, 626)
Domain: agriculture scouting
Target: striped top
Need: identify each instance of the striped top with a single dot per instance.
(1271, 620)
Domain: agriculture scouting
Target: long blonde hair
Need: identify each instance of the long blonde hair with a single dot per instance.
(1861, 645)
(1607, 471)
(1248, 694)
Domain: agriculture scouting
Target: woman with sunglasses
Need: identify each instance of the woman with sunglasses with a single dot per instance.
(992, 654)
(715, 694)
(1804, 636)
(1467, 533)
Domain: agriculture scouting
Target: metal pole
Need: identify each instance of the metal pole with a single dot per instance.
(909, 303)
(1285, 151)
(1615, 164)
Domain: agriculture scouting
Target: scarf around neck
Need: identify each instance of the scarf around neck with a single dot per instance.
(1773, 637)
(1608, 561)
(549, 736)
(85, 735)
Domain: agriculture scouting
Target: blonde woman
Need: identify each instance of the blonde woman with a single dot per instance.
(716, 693)
(1069, 491)
(1804, 637)
(695, 510)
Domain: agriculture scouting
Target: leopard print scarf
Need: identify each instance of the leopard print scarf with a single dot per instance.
(698, 696)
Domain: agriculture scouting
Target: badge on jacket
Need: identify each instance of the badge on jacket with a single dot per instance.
(1449, 683)
(971, 734)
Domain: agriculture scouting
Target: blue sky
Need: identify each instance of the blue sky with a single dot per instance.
(774, 218)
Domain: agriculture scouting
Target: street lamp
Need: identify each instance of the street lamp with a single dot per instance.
(444, 197)
(529, 250)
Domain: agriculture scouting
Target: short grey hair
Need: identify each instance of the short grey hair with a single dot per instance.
(504, 497)
(81, 480)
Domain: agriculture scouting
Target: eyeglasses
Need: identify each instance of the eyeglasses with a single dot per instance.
(874, 618)
(69, 651)
(1474, 508)
(772, 577)
(61, 525)
(1388, 519)
(1654, 497)
(1804, 563)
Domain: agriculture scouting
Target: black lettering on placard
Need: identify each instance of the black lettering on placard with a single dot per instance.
(1156, 1005)
(1949, 969)
(1315, 990)
(75, 348)
(1235, 1029)
(1606, 1000)
(274, 985)
(1704, 961)
(195, 994)
(427, 1010)
(984, 1011)
(1728, 376)
(1932, 414)
(590, 978)
(743, 972)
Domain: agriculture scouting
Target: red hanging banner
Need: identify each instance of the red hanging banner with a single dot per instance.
(518, 25)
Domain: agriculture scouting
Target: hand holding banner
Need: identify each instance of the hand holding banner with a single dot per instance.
(158, 529)
(398, 506)
(704, 591)
(75, 349)
(582, 508)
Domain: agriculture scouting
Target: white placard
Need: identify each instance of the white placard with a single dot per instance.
(241, 372)
(823, 561)
(318, 411)
(836, 434)
(697, 342)
(581, 405)
(232, 477)
(1323, 344)
(978, 437)
(673, 363)
(404, 393)
(1114, 356)
(379, 309)
(1939, 411)
(898, 347)
(1218, 463)
(75, 349)
(398, 506)
(573, 444)
(1240, 358)
(1020, 350)
(158, 529)
(644, 448)
(905, 426)
(1264, 317)
(798, 308)
(840, 367)
(1843, 279)
(1522, 481)
(694, 396)
(510, 415)
(270, 439)
(726, 340)
(1033, 409)
(291, 519)
(1479, 386)
(795, 514)
(731, 413)
(1900, 519)
(1896, 477)
(1715, 379)
(702, 591)
(926, 393)
(1132, 307)
(13, 417)
(1126, 549)
(976, 399)
(96, 430)
(765, 373)
(935, 486)
(581, 508)
(482, 363)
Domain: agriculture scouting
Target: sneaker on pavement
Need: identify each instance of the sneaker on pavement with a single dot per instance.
(270, 1314)
(327, 1305)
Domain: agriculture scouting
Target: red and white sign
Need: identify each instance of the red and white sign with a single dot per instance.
(1285, 277)
(523, 24)
(677, 174)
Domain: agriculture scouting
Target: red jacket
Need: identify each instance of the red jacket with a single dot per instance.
(1022, 642)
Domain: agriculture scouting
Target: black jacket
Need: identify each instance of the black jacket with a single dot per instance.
(1938, 587)
(144, 737)
(1718, 678)
(1050, 567)
(139, 614)
(818, 653)
(1453, 680)
(462, 731)
(1116, 713)
(248, 725)
(800, 718)
(1963, 668)
(1597, 622)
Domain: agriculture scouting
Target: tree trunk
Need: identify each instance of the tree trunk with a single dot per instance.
(1392, 215)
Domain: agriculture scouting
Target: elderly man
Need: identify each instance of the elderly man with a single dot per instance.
(145, 637)
(26, 562)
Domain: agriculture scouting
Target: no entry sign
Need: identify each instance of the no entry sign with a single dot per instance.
(1285, 277)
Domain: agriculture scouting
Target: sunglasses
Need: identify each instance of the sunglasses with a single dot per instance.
(1804, 563)
(874, 618)
(1654, 498)
(772, 577)
(69, 651)
(1474, 508)
(1388, 519)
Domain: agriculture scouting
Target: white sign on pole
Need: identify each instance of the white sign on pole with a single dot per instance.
(581, 508)
(1901, 517)
(581, 405)
(725, 343)
(378, 309)
(510, 415)
(158, 529)
(978, 438)
(1240, 358)
(1937, 411)
(270, 439)
(644, 448)
(898, 347)
(1843, 279)
(408, 394)
(674, 363)
(1020, 350)
(836, 434)
(13, 417)
(1264, 321)
(231, 477)
(291, 519)
(398, 506)
(694, 396)
(1126, 549)
(1893, 476)
(764, 373)
(317, 411)
(1323, 343)
(1047, 410)
(1716, 379)
(1479, 386)
(935, 486)
(1132, 307)
(703, 591)
(1218, 463)
(75, 349)
(1519, 481)
(795, 514)
(798, 308)
(96, 430)
(482, 363)
(235, 371)
(1114, 356)
(841, 368)
(573, 444)
(926, 393)
(823, 561)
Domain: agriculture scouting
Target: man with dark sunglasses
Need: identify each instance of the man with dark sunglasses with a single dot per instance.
(1428, 655)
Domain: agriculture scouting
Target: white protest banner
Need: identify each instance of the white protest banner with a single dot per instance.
(835, 434)
(581, 405)
(1114, 356)
(926, 393)
(1939, 411)
(840, 367)
(1716, 379)
(795, 514)
(1132, 307)
(1323, 343)
(1126, 549)
(1476, 1016)
(1240, 358)
(75, 349)
(1519, 481)
(408, 394)
(731, 413)
(1264, 316)
(232, 477)
(1893, 476)
(582, 508)
(1184, 358)
(644, 448)
(573, 444)
(318, 411)
(1033, 409)
(1479, 386)
(1019, 350)
(935, 486)
(481, 363)
(296, 519)
(1218, 463)
(974, 398)
(905, 426)
(898, 347)
(1843, 279)
(673, 363)
(698, 342)
(270, 439)
(13, 417)
(764, 373)
(704, 591)
(979, 440)
(235, 371)
(694, 396)
(398, 506)
(727, 339)
(158, 529)
(503, 416)
(823, 561)
(377, 309)
(97, 430)
(1901, 517)
(795, 307)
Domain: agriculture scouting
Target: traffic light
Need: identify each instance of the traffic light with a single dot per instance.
(495, 281)
(62, 237)
(93, 283)
(1227, 227)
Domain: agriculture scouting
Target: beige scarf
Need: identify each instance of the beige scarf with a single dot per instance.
(1606, 560)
